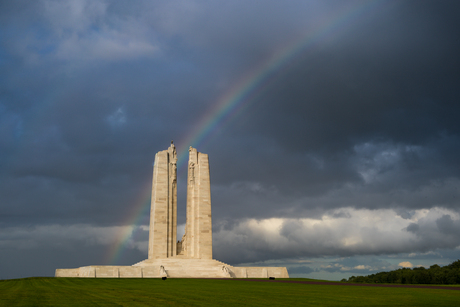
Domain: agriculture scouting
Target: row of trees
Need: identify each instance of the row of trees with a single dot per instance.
(447, 275)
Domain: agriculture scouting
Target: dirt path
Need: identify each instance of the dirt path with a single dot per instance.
(350, 284)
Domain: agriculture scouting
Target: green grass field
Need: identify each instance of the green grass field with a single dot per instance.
(44, 291)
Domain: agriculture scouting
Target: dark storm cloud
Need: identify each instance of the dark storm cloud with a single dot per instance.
(381, 98)
(366, 117)
(39, 250)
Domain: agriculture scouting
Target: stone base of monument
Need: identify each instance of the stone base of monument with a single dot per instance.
(175, 268)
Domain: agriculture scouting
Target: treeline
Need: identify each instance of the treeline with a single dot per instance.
(447, 275)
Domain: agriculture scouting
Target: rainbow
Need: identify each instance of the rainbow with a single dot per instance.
(238, 98)
(131, 227)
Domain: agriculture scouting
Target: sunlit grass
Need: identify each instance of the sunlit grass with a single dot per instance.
(208, 292)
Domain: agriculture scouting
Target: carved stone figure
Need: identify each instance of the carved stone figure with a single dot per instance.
(181, 246)
(225, 272)
(191, 169)
(173, 162)
(163, 271)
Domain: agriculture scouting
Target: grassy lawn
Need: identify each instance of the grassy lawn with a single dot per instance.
(44, 291)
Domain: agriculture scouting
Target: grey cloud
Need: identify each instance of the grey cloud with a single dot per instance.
(390, 193)
(358, 266)
(441, 231)
(356, 233)
(300, 270)
(448, 226)
(413, 227)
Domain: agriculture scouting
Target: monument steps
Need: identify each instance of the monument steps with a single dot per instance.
(173, 262)
(140, 263)
(190, 268)
(223, 263)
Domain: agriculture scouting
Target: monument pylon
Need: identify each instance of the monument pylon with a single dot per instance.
(163, 213)
(198, 227)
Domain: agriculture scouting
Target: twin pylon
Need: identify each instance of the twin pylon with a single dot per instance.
(197, 241)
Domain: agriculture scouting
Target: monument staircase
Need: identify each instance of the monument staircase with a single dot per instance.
(180, 267)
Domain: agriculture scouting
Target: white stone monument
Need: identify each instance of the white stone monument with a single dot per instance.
(192, 256)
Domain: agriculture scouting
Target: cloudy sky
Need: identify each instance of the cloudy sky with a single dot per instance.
(332, 129)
